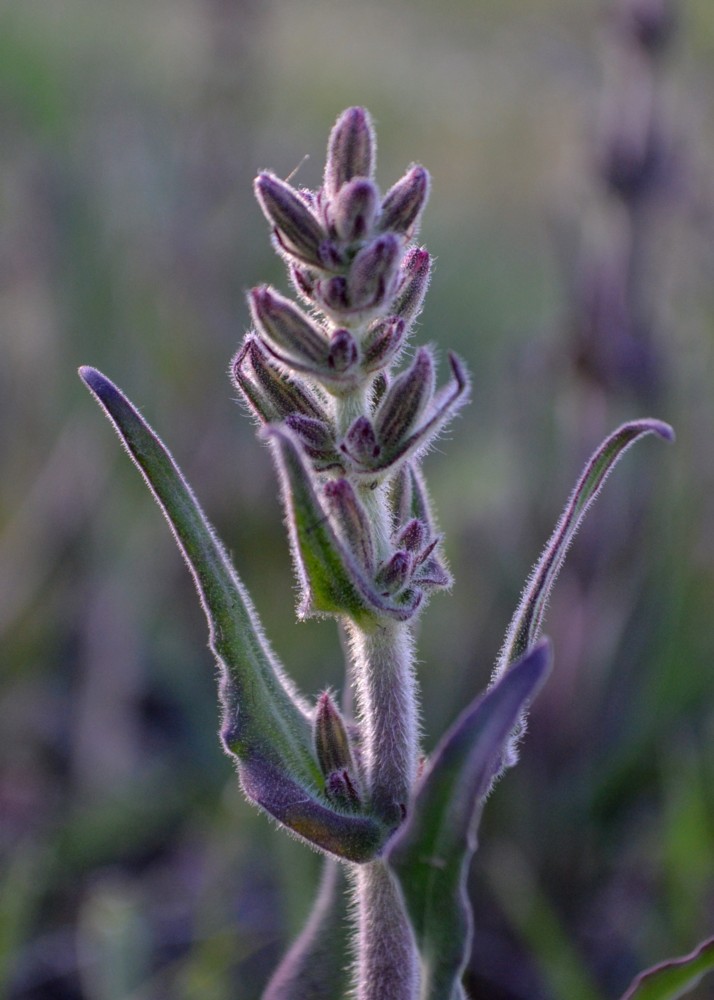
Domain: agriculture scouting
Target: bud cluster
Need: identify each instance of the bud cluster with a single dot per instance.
(324, 371)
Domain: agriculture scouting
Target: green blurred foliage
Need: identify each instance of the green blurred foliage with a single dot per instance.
(129, 865)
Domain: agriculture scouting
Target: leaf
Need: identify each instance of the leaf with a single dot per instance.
(314, 967)
(332, 582)
(430, 853)
(527, 622)
(266, 725)
(675, 977)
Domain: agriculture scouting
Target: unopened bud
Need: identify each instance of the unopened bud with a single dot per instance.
(332, 744)
(286, 327)
(415, 271)
(360, 443)
(340, 789)
(403, 203)
(382, 343)
(296, 228)
(350, 521)
(407, 398)
(316, 439)
(350, 150)
(413, 536)
(394, 575)
(355, 209)
(432, 574)
(270, 394)
(343, 353)
(374, 271)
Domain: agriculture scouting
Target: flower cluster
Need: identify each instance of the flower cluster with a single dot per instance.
(321, 375)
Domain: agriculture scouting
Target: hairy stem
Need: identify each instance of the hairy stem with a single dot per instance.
(387, 960)
(387, 707)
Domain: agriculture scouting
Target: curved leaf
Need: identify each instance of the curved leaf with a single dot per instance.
(430, 852)
(266, 725)
(527, 621)
(675, 977)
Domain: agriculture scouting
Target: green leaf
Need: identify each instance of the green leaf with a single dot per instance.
(675, 977)
(527, 622)
(266, 725)
(431, 851)
(314, 967)
(332, 582)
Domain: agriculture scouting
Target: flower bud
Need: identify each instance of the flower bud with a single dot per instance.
(317, 441)
(343, 353)
(296, 229)
(406, 400)
(341, 790)
(382, 343)
(403, 203)
(415, 270)
(286, 327)
(269, 393)
(373, 273)
(350, 150)
(394, 575)
(413, 536)
(355, 209)
(432, 573)
(350, 521)
(360, 443)
(332, 744)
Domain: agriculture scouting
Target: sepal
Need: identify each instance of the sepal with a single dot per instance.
(350, 150)
(296, 229)
(270, 394)
(414, 282)
(404, 203)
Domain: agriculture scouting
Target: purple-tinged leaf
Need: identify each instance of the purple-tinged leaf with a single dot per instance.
(527, 622)
(314, 967)
(675, 977)
(266, 725)
(431, 851)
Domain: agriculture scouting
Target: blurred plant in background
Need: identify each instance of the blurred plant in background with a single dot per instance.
(131, 137)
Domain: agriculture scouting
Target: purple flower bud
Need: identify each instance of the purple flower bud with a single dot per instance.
(403, 203)
(333, 296)
(415, 270)
(373, 274)
(360, 443)
(317, 440)
(340, 789)
(354, 210)
(332, 744)
(286, 327)
(382, 343)
(350, 521)
(269, 393)
(350, 150)
(343, 354)
(407, 398)
(297, 230)
(303, 280)
(413, 536)
(394, 575)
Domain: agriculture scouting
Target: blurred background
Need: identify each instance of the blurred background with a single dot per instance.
(572, 218)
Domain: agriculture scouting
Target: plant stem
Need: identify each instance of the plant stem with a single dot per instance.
(387, 708)
(387, 963)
